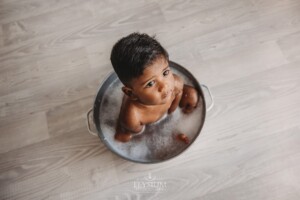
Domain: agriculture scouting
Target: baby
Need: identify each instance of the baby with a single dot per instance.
(151, 89)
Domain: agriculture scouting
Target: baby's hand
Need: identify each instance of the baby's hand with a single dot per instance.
(123, 137)
(189, 99)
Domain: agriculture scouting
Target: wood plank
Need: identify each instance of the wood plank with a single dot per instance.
(15, 10)
(49, 155)
(252, 59)
(61, 91)
(37, 188)
(273, 6)
(255, 89)
(32, 27)
(68, 117)
(202, 23)
(29, 130)
(272, 25)
(1, 37)
(290, 47)
(70, 182)
(174, 10)
(280, 185)
(42, 72)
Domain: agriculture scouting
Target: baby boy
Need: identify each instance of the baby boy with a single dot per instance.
(151, 89)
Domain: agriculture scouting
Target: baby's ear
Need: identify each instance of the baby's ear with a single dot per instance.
(128, 91)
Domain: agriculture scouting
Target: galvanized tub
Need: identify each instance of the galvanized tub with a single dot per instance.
(159, 141)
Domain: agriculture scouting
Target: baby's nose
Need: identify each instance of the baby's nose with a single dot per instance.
(162, 87)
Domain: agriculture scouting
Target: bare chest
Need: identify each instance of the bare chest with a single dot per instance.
(154, 113)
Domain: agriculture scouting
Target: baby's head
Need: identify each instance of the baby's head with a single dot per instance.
(142, 65)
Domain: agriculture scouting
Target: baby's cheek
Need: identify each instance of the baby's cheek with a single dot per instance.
(151, 97)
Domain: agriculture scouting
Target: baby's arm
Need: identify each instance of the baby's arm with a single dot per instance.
(128, 124)
(122, 134)
(189, 99)
(177, 92)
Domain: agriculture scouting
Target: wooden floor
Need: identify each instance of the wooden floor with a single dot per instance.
(54, 54)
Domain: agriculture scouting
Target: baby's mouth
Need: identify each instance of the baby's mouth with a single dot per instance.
(166, 94)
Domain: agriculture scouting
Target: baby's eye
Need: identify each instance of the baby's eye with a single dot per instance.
(166, 72)
(150, 84)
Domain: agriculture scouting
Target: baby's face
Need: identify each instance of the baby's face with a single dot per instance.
(155, 86)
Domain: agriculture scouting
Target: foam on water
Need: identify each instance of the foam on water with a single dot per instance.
(158, 141)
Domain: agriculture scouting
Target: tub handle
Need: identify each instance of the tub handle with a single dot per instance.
(211, 97)
(88, 122)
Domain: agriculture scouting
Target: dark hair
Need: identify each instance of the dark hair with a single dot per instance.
(133, 53)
